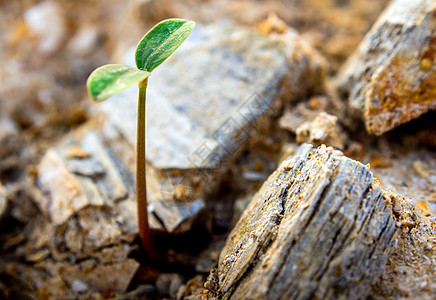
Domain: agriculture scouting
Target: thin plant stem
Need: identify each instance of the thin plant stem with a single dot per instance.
(141, 183)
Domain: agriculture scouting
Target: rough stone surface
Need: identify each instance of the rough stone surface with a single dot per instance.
(324, 129)
(391, 78)
(196, 125)
(205, 101)
(296, 114)
(70, 184)
(319, 227)
(81, 174)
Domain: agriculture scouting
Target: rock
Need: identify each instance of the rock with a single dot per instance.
(296, 115)
(319, 227)
(324, 129)
(102, 278)
(86, 167)
(115, 277)
(78, 286)
(11, 141)
(421, 168)
(67, 187)
(84, 41)
(391, 78)
(207, 99)
(196, 125)
(46, 22)
(423, 208)
(272, 24)
(202, 119)
(71, 180)
(7, 128)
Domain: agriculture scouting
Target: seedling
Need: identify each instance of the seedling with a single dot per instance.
(153, 49)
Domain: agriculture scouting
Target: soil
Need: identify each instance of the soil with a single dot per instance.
(43, 98)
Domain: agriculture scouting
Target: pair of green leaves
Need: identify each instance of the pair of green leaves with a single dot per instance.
(154, 48)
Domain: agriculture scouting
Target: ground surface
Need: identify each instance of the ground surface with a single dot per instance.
(45, 64)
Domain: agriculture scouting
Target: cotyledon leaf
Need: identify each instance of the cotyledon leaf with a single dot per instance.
(110, 79)
(160, 42)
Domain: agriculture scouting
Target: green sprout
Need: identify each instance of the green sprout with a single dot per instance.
(153, 49)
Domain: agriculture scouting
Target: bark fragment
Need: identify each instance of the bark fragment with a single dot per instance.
(411, 268)
(318, 227)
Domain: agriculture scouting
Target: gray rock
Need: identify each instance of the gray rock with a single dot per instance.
(323, 129)
(319, 227)
(86, 167)
(206, 100)
(67, 187)
(203, 104)
(46, 22)
(78, 286)
(212, 91)
(391, 78)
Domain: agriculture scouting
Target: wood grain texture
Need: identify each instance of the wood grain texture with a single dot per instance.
(318, 228)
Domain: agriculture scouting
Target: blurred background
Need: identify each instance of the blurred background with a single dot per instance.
(48, 48)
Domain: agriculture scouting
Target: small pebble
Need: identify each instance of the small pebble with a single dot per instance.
(45, 20)
(77, 286)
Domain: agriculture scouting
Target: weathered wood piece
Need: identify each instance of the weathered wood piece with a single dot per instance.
(410, 272)
(410, 179)
(391, 78)
(318, 228)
